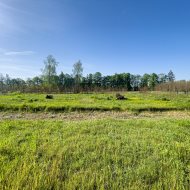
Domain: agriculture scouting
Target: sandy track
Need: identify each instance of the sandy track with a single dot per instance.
(73, 116)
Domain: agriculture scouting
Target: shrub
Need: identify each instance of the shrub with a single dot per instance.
(49, 96)
(120, 97)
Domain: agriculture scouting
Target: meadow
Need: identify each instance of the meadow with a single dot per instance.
(139, 143)
(100, 154)
(94, 102)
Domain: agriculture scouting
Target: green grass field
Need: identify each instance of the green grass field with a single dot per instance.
(102, 154)
(93, 149)
(95, 102)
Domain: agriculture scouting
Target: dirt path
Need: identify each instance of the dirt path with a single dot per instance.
(74, 116)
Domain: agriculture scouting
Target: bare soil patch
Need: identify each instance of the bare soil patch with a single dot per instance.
(74, 116)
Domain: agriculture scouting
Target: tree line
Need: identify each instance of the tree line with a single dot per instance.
(50, 81)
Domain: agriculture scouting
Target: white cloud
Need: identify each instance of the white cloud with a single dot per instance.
(19, 53)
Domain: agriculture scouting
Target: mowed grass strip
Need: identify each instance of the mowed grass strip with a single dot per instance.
(102, 154)
(150, 101)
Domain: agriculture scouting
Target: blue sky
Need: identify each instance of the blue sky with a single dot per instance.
(110, 36)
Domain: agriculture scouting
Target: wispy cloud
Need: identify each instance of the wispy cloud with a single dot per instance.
(11, 17)
(19, 53)
(9, 8)
(18, 70)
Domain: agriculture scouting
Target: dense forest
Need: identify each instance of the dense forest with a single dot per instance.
(50, 81)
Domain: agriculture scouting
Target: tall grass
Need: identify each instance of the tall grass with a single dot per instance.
(104, 154)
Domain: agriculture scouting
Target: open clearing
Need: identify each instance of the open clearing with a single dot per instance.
(95, 102)
(138, 148)
(101, 154)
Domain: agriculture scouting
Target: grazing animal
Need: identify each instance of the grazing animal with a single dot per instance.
(120, 97)
(49, 96)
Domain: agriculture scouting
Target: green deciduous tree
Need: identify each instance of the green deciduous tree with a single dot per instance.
(171, 76)
(49, 71)
(153, 81)
(77, 74)
(144, 80)
(97, 79)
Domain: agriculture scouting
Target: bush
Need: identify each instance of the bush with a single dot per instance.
(120, 97)
(49, 96)
(165, 99)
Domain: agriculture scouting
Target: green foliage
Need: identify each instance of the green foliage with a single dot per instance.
(77, 71)
(49, 71)
(153, 81)
(171, 76)
(76, 82)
